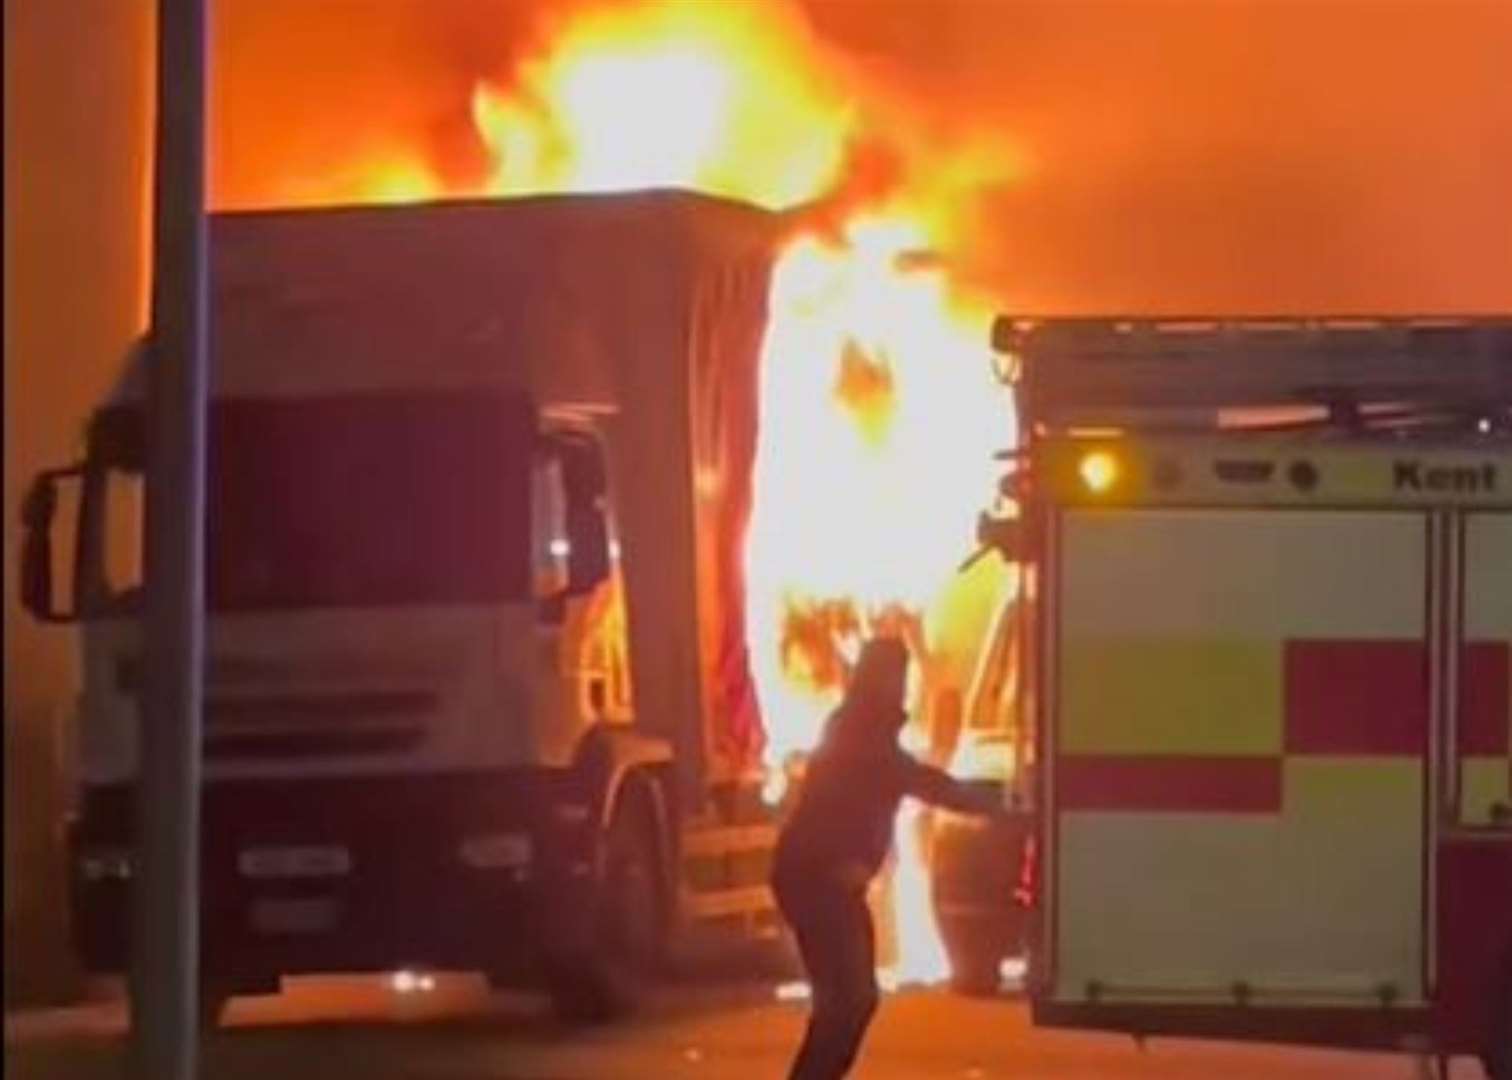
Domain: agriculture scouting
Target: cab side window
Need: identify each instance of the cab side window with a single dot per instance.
(549, 545)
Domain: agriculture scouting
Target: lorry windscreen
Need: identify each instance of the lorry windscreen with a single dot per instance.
(365, 500)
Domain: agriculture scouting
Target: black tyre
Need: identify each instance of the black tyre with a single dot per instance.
(213, 1002)
(1498, 1061)
(631, 926)
(976, 975)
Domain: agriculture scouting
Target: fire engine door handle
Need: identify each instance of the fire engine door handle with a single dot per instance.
(1501, 816)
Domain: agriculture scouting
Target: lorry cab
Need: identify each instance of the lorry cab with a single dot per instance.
(477, 475)
(1269, 578)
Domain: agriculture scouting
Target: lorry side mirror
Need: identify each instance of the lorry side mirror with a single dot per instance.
(1003, 535)
(588, 562)
(115, 435)
(37, 512)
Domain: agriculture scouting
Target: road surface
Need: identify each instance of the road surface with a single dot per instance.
(332, 1029)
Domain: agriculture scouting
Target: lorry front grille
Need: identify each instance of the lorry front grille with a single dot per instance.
(305, 725)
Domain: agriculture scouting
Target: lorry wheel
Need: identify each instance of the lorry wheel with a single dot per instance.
(214, 999)
(631, 927)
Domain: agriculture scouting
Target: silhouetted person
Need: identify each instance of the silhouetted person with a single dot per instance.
(836, 841)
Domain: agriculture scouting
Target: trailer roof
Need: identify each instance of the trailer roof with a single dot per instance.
(531, 292)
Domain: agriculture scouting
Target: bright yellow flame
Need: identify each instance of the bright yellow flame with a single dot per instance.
(1099, 470)
(879, 422)
(680, 94)
(921, 956)
(979, 760)
(398, 182)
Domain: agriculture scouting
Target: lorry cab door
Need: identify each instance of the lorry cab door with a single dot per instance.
(1235, 721)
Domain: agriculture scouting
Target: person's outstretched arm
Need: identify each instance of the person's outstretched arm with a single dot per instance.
(938, 788)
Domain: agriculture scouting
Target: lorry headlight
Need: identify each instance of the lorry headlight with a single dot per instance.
(105, 864)
(1099, 470)
(571, 813)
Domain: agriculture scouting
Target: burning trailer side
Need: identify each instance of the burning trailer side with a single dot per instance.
(477, 692)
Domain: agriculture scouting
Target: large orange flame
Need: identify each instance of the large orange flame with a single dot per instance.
(879, 422)
(879, 418)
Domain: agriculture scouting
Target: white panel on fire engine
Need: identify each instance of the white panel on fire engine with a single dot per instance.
(641, 314)
(1240, 723)
(1484, 721)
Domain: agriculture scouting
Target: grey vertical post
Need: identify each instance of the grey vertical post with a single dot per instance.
(165, 889)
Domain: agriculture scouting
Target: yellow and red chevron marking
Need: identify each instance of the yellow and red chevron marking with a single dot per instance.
(1240, 718)
(1170, 782)
(1337, 699)
(1485, 719)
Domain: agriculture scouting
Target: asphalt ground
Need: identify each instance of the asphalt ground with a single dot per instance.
(324, 1029)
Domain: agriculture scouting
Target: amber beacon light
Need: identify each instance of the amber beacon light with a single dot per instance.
(1099, 470)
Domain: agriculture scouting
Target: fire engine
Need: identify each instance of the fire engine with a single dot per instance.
(1267, 623)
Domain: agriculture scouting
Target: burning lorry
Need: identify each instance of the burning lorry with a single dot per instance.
(1268, 571)
(477, 688)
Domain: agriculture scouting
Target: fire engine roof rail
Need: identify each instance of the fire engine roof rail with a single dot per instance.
(1070, 368)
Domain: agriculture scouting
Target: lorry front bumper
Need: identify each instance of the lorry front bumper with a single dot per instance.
(493, 872)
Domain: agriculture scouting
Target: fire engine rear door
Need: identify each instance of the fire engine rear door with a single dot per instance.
(1237, 715)
(1472, 955)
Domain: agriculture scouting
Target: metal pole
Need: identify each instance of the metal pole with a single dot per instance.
(165, 892)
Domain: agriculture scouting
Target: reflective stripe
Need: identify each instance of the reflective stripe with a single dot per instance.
(1485, 719)
(1167, 695)
(1241, 785)
(1356, 697)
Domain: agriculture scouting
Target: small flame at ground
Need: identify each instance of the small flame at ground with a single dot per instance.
(796, 990)
(921, 953)
(411, 982)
